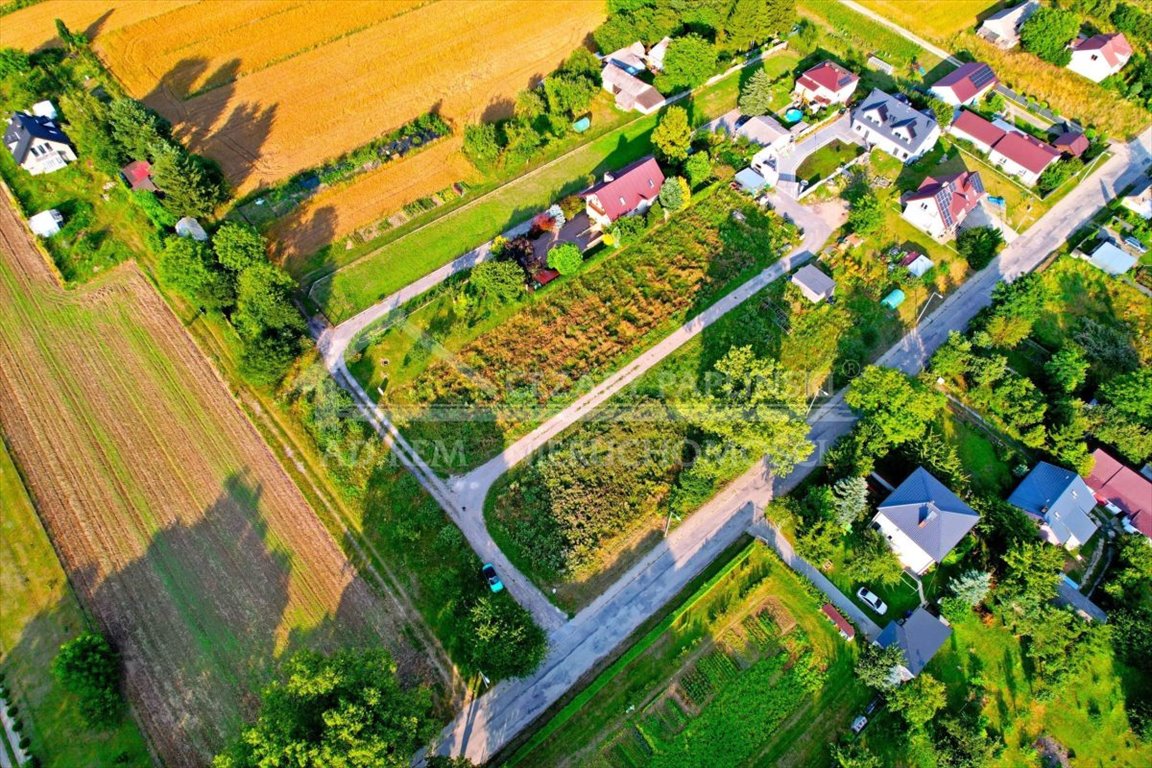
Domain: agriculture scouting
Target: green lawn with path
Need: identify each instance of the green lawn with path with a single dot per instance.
(824, 161)
(395, 264)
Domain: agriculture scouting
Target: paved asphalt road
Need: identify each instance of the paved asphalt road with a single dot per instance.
(493, 719)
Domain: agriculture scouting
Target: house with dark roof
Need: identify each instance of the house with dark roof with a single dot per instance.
(631, 92)
(37, 144)
(919, 636)
(814, 284)
(892, 125)
(923, 521)
(941, 204)
(1071, 142)
(825, 84)
(630, 190)
(1099, 56)
(1139, 201)
(1060, 501)
(1003, 27)
(1123, 491)
(967, 84)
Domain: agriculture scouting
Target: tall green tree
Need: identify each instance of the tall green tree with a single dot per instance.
(698, 169)
(140, 132)
(191, 187)
(751, 413)
(1032, 570)
(672, 136)
(874, 561)
(876, 666)
(88, 668)
(566, 258)
(264, 304)
(899, 407)
(688, 62)
(188, 267)
(1048, 32)
(238, 246)
(850, 500)
(346, 710)
(919, 700)
(865, 213)
(507, 642)
(1068, 368)
(500, 281)
(756, 94)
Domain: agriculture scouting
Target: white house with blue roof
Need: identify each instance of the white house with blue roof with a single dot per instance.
(37, 144)
(1061, 501)
(923, 521)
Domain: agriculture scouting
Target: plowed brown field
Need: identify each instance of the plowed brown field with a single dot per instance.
(183, 534)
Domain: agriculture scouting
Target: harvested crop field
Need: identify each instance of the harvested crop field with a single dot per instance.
(937, 21)
(340, 210)
(289, 89)
(34, 26)
(183, 535)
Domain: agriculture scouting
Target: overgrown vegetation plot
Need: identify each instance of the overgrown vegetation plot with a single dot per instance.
(552, 348)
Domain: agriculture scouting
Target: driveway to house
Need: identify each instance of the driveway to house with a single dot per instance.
(489, 722)
(789, 162)
(471, 489)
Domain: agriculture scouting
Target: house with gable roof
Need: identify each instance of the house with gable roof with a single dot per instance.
(1002, 28)
(965, 85)
(1012, 151)
(1060, 501)
(1099, 56)
(632, 93)
(923, 521)
(37, 144)
(630, 190)
(941, 204)
(825, 84)
(1122, 490)
(892, 125)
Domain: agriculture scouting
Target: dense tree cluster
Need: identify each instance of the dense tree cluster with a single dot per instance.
(729, 25)
(234, 276)
(88, 668)
(1048, 32)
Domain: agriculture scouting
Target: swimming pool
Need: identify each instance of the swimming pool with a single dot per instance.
(793, 115)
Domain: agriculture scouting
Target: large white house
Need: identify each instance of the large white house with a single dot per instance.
(826, 83)
(1014, 152)
(1099, 56)
(940, 205)
(37, 144)
(967, 84)
(923, 521)
(892, 125)
(1140, 201)
(1003, 27)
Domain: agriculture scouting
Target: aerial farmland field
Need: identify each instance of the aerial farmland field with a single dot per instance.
(183, 536)
(937, 21)
(268, 89)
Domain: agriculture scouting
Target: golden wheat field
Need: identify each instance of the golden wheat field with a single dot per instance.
(34, 26)
(302, 83)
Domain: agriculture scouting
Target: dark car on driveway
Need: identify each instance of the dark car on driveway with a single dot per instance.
(494, 582)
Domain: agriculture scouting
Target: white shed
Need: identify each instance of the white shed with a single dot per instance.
(189, 227)
(46, 223)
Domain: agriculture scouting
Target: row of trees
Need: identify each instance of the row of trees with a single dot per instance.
(234, 276)
(729, 25)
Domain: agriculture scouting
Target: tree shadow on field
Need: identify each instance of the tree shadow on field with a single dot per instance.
(292, 246)
(231, 135)
(92, 31)
(498, 109)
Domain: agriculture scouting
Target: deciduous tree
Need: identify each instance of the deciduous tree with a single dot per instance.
(899, 407)
(688, 62)
(1067, 368)
(506, 640)
(1048, 32)
(565, 259)
(88, 668)
(501, 281)
(876, 666)
(672, 137)
(189, 268)
(698, 169)
(919, 700)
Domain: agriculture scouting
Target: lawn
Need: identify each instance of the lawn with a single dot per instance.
(721, 681)
(826, 160)
(40, 614)
(499, 385)
(379, 270)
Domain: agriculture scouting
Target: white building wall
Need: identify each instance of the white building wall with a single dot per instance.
(909, 553)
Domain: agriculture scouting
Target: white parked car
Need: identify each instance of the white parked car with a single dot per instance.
(871, 600)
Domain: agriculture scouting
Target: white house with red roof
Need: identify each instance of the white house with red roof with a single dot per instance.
(826, 83)
(630, 190)
(1099, 56)
(939, 206)
(1023, 156)
(965, 85)
(1122, 490)
(1014, 152)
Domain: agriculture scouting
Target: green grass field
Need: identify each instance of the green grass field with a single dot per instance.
(41, 613)
(827, 159)
(724, 680)
(393, 265)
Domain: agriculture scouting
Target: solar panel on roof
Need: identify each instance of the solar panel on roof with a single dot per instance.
(982, 76)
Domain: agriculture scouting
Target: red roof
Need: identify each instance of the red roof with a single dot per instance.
(968, 80)
(1026, 151)
(828, 75)
(971, 124)
(1072, 143)
(955, 195)
(1114, 483)
(138, 174)
(633, 184)
(1114, 48)
(545, 276)
(842, 623)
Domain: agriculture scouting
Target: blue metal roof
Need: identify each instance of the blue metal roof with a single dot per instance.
(1060, 498)
(919, 636)
(929, 514)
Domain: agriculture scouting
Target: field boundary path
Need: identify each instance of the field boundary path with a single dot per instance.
(491, 721)
(883, 20)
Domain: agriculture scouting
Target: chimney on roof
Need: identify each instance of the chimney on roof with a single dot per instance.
(608, 177)
(927, 514)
